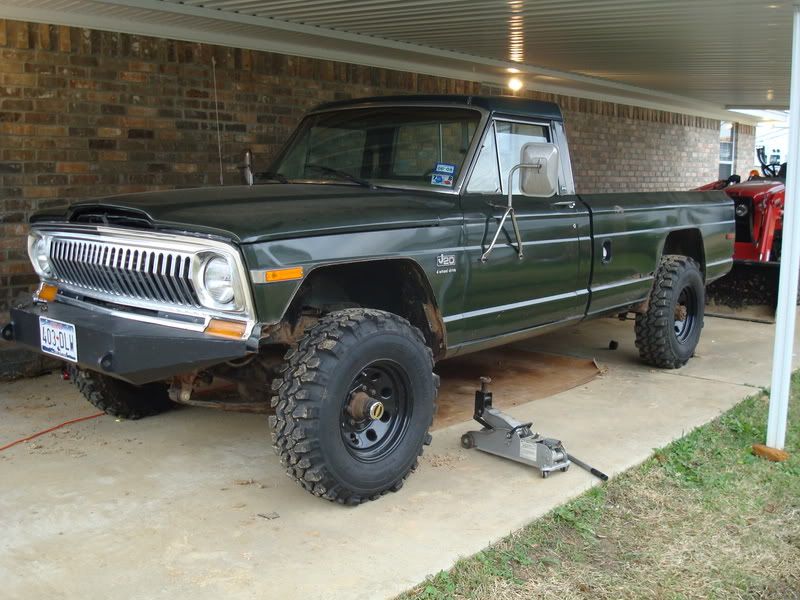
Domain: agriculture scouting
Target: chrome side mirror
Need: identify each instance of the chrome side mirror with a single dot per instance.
(247, 168)
(540, 166)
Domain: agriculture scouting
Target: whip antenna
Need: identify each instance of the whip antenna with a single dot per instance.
(216, 112)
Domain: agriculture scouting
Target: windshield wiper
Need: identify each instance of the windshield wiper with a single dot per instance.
(341, 175)
(272, 175)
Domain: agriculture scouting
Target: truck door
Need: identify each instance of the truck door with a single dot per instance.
(507, 294)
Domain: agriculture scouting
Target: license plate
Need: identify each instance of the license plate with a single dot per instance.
(58, 338)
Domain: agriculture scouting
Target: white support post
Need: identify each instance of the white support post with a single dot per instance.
(790, 265)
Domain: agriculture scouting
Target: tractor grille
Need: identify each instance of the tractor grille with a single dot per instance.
(124, 271)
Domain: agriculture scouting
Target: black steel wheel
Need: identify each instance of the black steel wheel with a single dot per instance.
(377, 411)
(353, 405)
(685, 314)
(668, 332)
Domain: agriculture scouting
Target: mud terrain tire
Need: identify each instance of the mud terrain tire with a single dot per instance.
(119, 398)
(329, 448)
(668, 333)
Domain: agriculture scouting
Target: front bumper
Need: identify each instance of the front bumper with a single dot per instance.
(130, 350)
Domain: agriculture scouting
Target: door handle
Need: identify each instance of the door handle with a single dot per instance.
(564, 204)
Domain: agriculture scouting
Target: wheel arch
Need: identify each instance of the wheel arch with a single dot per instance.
(686, 242)
(396, 285)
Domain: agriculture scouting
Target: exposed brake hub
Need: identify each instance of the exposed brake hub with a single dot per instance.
(505, 436)
(362, 406)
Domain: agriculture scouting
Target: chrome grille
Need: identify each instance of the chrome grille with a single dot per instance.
(125, 272)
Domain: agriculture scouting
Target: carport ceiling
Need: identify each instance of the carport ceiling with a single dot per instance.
(695, 55)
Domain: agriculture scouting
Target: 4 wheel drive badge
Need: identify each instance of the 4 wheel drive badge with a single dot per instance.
(445, 263)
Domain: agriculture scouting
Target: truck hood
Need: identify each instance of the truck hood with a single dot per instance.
(270, 211)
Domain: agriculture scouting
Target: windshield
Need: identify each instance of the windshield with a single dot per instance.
(382, 146)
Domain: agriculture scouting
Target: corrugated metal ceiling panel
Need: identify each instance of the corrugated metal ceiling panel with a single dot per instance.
(721, 51)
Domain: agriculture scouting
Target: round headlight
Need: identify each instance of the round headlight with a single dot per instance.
(37, 251)
(218, 280)
(741, 210)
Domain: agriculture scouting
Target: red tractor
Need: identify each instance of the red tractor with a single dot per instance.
(759, 224)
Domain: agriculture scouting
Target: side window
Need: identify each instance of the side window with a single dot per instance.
(511, 137)
(485, 177)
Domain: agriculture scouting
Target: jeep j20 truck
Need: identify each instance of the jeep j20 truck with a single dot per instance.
(389, 234)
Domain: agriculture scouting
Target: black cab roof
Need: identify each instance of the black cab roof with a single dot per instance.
(506, 105)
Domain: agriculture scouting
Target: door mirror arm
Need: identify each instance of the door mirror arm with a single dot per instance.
(509, 212)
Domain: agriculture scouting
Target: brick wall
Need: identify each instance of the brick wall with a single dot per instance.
(744, 157)
(86, 113)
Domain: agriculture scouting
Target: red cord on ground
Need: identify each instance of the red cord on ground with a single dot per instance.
(35, 435)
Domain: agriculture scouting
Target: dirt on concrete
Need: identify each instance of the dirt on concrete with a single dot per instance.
(518, 376)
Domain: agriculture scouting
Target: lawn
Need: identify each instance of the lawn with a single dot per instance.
(702, 518)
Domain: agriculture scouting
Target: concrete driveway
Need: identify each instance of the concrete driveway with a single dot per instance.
(193, 504)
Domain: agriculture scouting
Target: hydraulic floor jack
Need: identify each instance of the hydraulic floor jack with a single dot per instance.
(504, 436)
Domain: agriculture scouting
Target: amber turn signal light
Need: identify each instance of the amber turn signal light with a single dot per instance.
(283, 274)
(46, 292)
(231, 329)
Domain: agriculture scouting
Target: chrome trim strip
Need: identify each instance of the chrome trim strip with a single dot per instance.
(199, 327)
(513, 306)
(719, 262)
(649, 208)
(657, 229)
(608, 286)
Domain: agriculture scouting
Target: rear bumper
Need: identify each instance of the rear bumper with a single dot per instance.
(130, 350)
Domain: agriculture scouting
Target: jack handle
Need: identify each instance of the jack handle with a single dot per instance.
(599, 474)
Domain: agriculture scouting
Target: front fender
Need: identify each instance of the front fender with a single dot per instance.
(422, 245)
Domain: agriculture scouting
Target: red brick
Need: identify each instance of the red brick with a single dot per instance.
(112, 155)
(40, 191)
(133, 76)
(73, 167)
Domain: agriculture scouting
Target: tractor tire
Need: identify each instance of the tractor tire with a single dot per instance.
(668, 333)
(353, 405)
(119, 398)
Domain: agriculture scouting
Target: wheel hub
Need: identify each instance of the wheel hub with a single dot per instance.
(376, 412)
(363, 406)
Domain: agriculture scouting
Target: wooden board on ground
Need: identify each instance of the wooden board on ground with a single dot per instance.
(517, 376)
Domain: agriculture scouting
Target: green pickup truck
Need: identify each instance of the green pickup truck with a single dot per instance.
(389, 234)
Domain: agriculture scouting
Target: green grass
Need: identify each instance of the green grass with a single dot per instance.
(702, 518)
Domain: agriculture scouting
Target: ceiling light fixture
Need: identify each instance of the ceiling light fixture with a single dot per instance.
(515, 84)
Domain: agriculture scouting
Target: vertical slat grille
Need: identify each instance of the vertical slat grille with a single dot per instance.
(158, 276)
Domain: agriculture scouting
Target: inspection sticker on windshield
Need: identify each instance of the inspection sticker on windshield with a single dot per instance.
(443, 174)
(58, 338)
